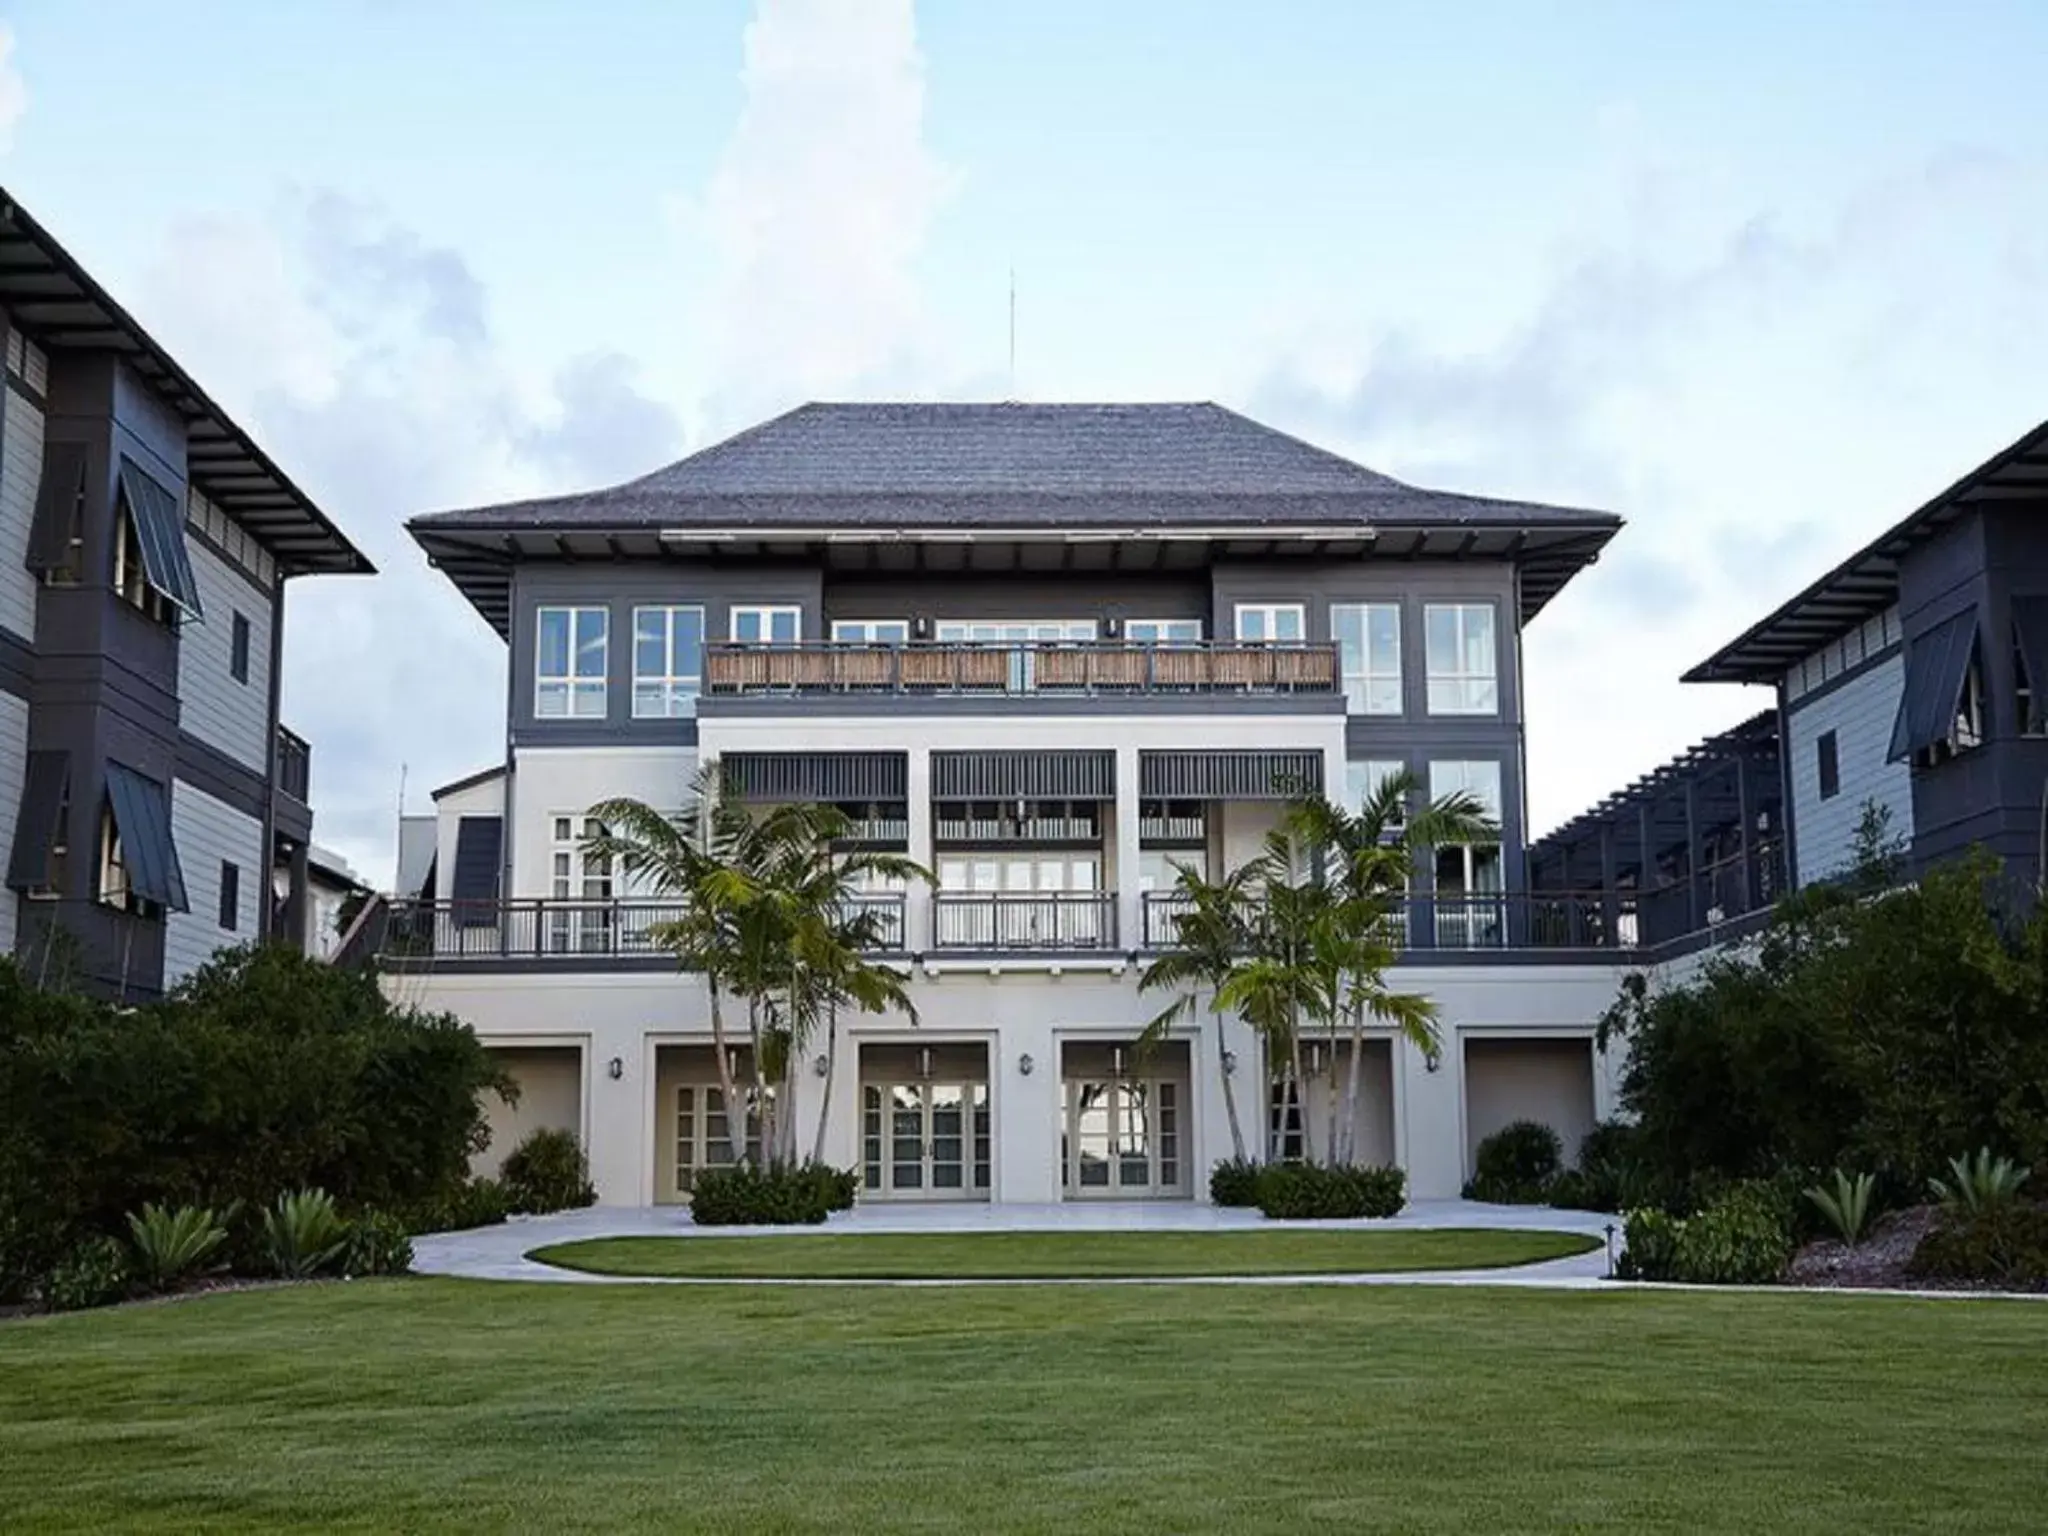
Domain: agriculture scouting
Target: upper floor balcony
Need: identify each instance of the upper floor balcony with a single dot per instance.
(1024, 669)
(294, 765)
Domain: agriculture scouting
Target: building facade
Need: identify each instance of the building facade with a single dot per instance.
(152, 808)
(1048, 652)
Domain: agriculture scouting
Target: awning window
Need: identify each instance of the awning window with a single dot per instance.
(479, 842)
(38, 830)
(160, 530)
(142, 822)
(56, 542)
(2030, 629)
(1937, 667)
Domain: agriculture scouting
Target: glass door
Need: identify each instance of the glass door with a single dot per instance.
(1123, 1139)
(925, 1141)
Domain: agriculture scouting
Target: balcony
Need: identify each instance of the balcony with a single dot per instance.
(1059, 669)
(418, 934)
(1004, 921)
(294, 765)
(1557, 925)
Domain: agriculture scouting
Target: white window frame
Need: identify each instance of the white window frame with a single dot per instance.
(675, 693)
(1455, 690)
(1368, 691)
(1163, 631)
(766, 613)
(1023, 631)
(1363, 777)
(578, 690)
(1270, 611)
(871, 631)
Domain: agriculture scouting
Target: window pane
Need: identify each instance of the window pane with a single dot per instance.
(650, 642)
(552, 701)
(1383, 630)
(1478, 641)
(1251, 623)
(687, 642)
(1347, 628)
(1287, 624)
(1383, 696)
(590, 633)
(1440, 627)
(784, 622)
(554, 642)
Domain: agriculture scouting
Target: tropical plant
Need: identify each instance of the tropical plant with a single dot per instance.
(1979, 1184)
(303, 1233)
(94, 1274)
(1212, 931)
(1742, 1238)
(377, 1244)
(740, 1194)
(1845, 1207)
(1235, 1182)
(173, 1244)
(1517, 1163)
(2007, 1245)
(548, 1172)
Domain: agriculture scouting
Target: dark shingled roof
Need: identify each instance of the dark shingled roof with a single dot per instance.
(1010, 471)
(59, 305)
(1867, 582)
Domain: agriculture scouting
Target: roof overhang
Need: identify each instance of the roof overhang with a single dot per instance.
(479, 558)
(55, 302)
(1867, 582)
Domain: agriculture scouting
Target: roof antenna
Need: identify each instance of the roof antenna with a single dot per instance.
(1013, 335)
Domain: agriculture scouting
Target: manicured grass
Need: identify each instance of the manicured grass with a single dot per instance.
(1060, 1255)
(418, 1404)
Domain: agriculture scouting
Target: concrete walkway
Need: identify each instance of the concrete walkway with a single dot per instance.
(499, 1253)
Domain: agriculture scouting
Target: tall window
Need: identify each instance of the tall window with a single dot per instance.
(1468, 875)
(871, 631)
(1368, 637)
(238, 650)
(230, 896)
(767, 624)
(1271, 622)
(570, 675)
(668, 661)
(113, 864)
(131, 575)
(1362, 780)
(1828, 764)
(1462, 664)
(581, 884)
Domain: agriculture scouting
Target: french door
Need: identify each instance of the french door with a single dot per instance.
(925, 1141)
(581, 921)
(1123, 1139)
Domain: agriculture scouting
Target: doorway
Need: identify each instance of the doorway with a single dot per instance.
(1125, 1128)
(925, 1122)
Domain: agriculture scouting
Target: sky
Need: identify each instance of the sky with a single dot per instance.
(1760, 279)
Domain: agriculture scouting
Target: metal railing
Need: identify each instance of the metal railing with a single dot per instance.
(546, 928)
(1023, 920)
(1022, 667)
(294, 765)
(1536, 921)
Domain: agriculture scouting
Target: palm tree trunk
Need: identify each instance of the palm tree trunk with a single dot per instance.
(735, 1115)
(1351, 1081)
(1229, 1093)
(831, 1072)
(1330, 1131)
(1300, 1075)
(764, 1105)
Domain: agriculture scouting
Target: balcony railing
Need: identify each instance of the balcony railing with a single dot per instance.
(294, 765)
(1020, 667)
(1023, 921)
(419, 931)
(1481, 922)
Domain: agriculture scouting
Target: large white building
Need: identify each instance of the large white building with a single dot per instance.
(1046, 651)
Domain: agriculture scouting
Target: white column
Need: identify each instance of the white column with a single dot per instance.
(1429, 1131)
(1026, 1141)
(917, 913)
(1129, 904)
(616, 1113)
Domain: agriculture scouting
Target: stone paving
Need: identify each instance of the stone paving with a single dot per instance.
(499, 1253)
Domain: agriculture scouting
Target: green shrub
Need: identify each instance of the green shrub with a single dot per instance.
(172, 1245)
(1312, 1192)
(1574, 1190)
(1743, 1238)
(2002, 1245)
(836, 1187)
(1845, 1206)
(303, 1234)
(1515, 1165)
(1235, 1181)
(94, 1274)
(377, 1244)
(548, 1172)
(742, 1195)
(1979, 1184)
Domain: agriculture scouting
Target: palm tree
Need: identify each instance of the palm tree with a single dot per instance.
(1211, 936)
(1368, 858)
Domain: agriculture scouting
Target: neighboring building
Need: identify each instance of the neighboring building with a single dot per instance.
(1045, 650)
(335, 894)
(147, 791)
(1912, 675)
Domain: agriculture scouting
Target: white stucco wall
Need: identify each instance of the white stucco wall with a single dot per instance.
(206, 832)
(551, 1094)
(1861, 713)
(566, 781)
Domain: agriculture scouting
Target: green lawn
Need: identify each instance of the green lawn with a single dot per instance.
(422, 1404)
(1055, 1255)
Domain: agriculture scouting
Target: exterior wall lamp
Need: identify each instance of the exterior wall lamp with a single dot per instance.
(1025, 1064)
(1229, 1063)
(615, 1069)
(821, 1066)
(1434, 1061)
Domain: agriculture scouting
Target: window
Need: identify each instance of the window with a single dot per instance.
(1966, 731)
(871, 631)
(1163, 631)
(1461, 659)
(1266, 622)
(668, 662)
(770, 624)
(2031, 710)
(131, 577)
(1368, 637)
(1828, 764)
(1362, 780)
(702, 1131)
(113, 888)
(570, 671)
(1468, 875)
(582, 919)
(238, 651)
(230, 896)
(57, 544)
(1000, 631)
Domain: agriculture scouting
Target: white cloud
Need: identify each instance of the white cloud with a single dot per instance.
(13, 93)
(818, 209)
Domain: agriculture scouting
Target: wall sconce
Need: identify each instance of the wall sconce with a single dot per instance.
(1025, 1064)
(921, 626)
(1315, 1060)
(821, 1066)
(1434, 1061)
(924, 1061)
(615, 1069)
(1229, 1063)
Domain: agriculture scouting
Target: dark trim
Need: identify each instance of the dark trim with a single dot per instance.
(778, 706)
(1072, 774)
(17, 665)
(598, 733)
(1843, 679)
(844, 776)
(212, 771)
(528, 965)
(40, 399)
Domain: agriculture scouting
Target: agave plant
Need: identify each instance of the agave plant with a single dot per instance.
(303, 1233)
(1979, 1184)
(1846, 1207)
(173, 1244)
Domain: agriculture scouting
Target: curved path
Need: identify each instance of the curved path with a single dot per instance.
(499, 1253)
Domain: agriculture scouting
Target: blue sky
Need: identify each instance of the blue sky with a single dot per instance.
(1758, 278)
